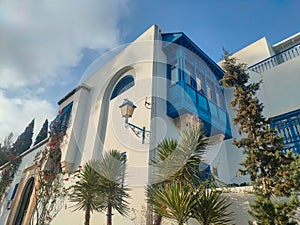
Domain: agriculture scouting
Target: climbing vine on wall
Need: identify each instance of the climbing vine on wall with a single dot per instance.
(50, 192)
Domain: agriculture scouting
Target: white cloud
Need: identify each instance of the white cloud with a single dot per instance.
(39, 42)
(40, 37)
(16, 114)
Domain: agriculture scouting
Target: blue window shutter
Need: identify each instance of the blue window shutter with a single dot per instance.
(14, 192)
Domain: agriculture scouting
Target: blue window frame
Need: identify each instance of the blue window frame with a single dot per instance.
(14, 192)
(9, 203)
(123, 85)
(288, 126)
(61, 122)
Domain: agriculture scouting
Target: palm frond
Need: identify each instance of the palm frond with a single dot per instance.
(181, 159)
(111, 168)
(101, 183)
(212, 208)
(172, 200)
(83, 192)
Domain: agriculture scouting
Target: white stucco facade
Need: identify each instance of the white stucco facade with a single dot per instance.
(96, 124)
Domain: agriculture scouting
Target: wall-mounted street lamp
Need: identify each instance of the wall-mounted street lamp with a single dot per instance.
(127, 109)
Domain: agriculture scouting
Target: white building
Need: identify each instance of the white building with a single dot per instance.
(278, 67)
(174, 84)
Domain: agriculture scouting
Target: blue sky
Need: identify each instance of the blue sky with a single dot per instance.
(215, 24)
(46, 46)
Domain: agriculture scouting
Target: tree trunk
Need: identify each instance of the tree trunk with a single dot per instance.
(109, 214)
(87, 215)
(157, 219)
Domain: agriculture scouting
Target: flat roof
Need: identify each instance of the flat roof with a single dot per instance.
(292, 39)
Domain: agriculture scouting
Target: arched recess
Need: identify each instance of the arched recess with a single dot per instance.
(105, 102)
(123, 85)
(24, 202)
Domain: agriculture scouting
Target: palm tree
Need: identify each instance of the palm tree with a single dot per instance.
(84, 192)
(172, 200)
(211, 208)
(111, 168)
(180, 160)
(175, 161)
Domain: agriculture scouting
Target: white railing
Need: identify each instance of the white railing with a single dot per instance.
(277, 59)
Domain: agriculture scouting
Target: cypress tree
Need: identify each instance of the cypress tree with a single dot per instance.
(3, 158)
(10, 157)
(42, 135)
(274, 174)
(5, 149)
(24, 140)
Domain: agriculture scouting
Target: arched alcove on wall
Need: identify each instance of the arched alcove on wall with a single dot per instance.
(127, 71)
(24, 202)
(123, 85)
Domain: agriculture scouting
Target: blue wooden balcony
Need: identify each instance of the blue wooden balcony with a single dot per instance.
(182, 98)
(187, 63)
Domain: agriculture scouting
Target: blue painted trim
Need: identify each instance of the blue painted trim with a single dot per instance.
(14, 192)
(285, 115)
